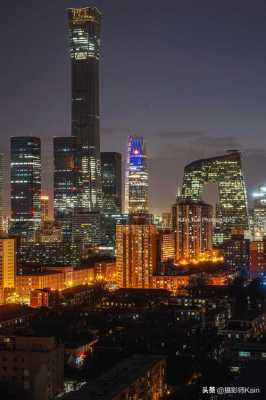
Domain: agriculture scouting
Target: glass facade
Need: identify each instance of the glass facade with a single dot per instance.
(259, 213)
(84, 28)
(226, 172)
(66, 181)
(25, 186)
(87, 228)
(111, 182)
(137, 177)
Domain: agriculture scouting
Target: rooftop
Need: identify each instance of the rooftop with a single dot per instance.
(11, 311)
(117, 379)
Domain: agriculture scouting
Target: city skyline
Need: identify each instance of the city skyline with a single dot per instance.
(132, 264)
(198, 104)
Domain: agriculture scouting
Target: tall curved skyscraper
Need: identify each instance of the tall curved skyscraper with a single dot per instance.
(226, 172)
(84, 28)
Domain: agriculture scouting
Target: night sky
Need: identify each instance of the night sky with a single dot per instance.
(189, 76)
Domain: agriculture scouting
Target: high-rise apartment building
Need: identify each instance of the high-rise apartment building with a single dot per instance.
(193, 224)
(7, 265)
(166, 242)
(111, 182)
(84, 27)
(137, 177)
(226, 172)
(66, 182)
(136, 255)
(25, 186)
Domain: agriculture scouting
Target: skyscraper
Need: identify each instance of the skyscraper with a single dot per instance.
(226, 172)
(137, 177)
(66, 181)
(111, 182)
(25, 185)
(136, 255)
(84, 26)
(259, 213)
(166, 245)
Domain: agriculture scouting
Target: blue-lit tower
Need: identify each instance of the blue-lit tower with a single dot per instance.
(137, 177)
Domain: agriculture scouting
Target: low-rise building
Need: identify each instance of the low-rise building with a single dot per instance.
(247, 327)
(173, 283)
(34, 364)
(126, 299)
(77, 295)
(138, 377)
(14, 315)
(53, 280)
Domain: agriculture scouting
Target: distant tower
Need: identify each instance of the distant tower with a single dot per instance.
(84, 27)
(259, 213)
(137, 177)
(111, 182)
(25, 186)
(66, 182)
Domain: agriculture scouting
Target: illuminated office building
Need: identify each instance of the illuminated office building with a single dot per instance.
(109, 223)
(259, 213)
(49, 233)
(226, 172)
(137, 177)
(44, 208)
(87, 227)
(136, 255)
(25, 186)
(34, 256)
(84, 27)
(193, 224)
(111, 182)
(66, 182)
(7, 265)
